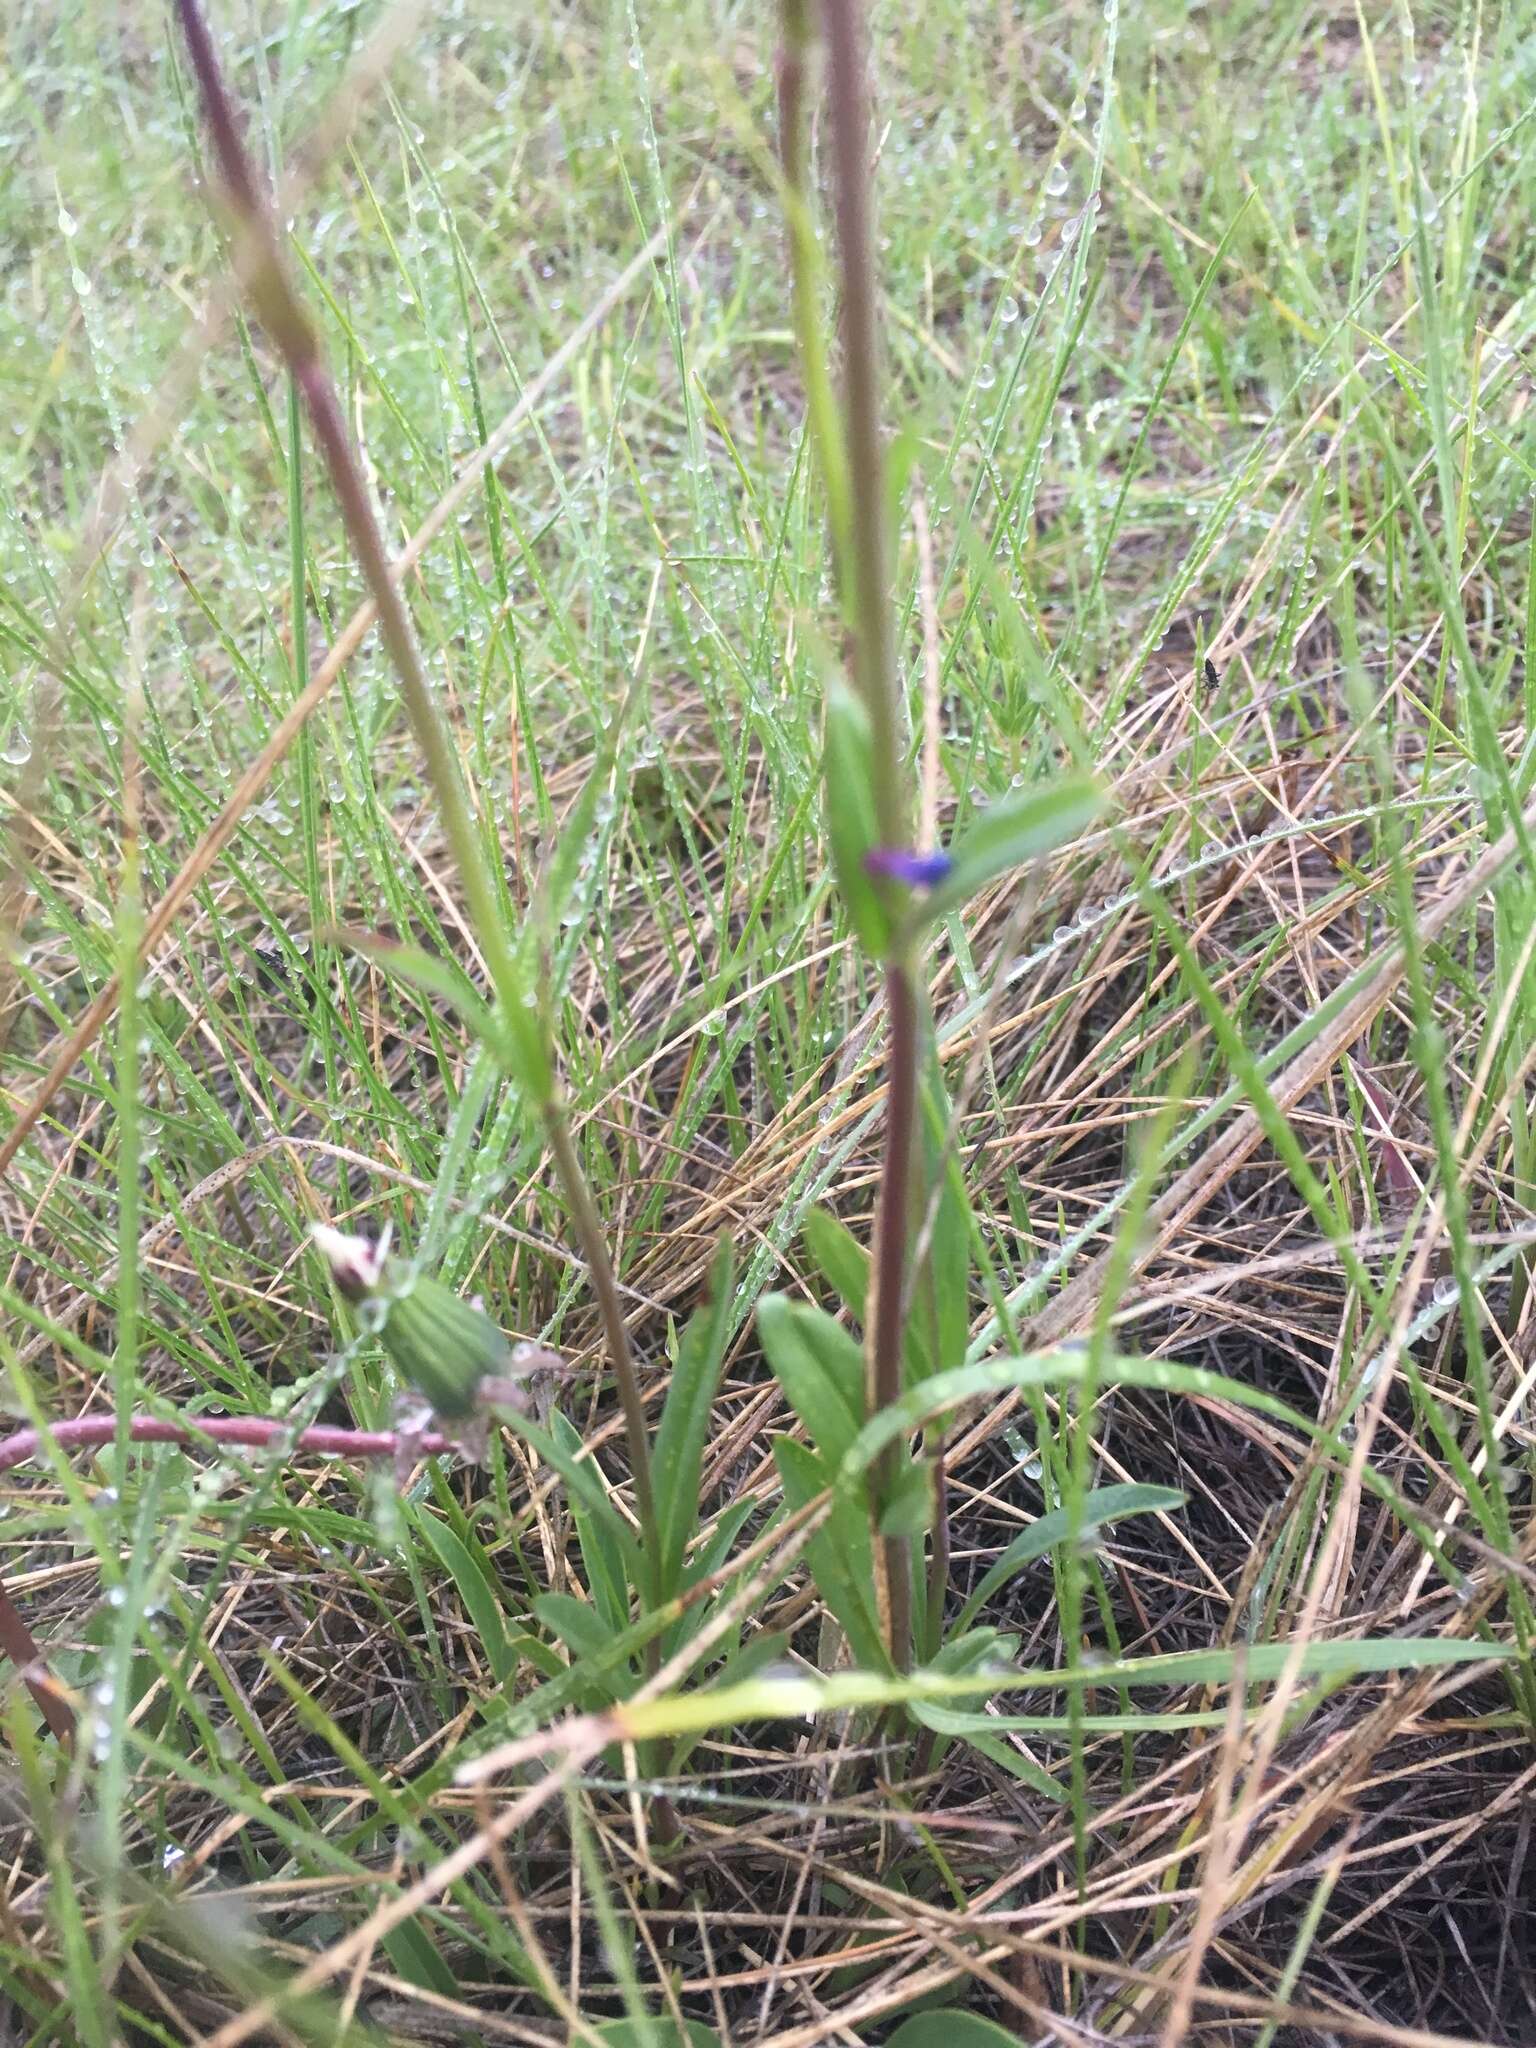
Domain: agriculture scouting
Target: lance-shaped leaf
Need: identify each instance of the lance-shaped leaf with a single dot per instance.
(1007, 834)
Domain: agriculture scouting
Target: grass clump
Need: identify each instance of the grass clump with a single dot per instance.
(942, 946)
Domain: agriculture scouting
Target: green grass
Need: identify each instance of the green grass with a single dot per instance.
(1241, 373)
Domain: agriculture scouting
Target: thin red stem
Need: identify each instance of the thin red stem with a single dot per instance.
(250, 1432)
(874, 659)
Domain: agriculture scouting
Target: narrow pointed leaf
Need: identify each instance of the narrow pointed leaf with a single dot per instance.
(1104, 1505)
(850, 816)
(839, 1553)
(1007, 834)
(842, 1260)
(684, 1428)
(820, 1368)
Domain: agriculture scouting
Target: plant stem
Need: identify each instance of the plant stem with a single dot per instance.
(874, 675)
(250, 1432)
(887, 1317)
(805, 273)
(873, 652)
(794, 41)
(293, 333)
(589, 1234)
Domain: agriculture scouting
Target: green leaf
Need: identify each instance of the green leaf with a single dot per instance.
(428, 975)
(845, 1265)
(947, 2029)
(909, 1510)
(839, 1553)
(709, 1557)
(1103, 1505)
(609, 1564)
(578, 1625)
(820, 1368)
(1062, 1727)
(561, 868)
(530, 1650)
(583, 1482)
(979, 1731)
(473, 1589)
(743, 1661)
(684, 1428)
(842, 1260)
(1020, 828)
(775, 1698)
(850, 807)
(970, 1650)
(665, 2033)
(412, 1951)
(941, 1322)
(947, 1391)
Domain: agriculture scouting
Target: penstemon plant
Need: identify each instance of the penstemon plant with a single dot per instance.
(868, 1556)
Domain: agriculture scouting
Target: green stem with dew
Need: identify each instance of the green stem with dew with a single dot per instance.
(528, 1050)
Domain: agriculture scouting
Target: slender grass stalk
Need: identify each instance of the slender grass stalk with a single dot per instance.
(309, 798)
(294, 335)
(128, 1081)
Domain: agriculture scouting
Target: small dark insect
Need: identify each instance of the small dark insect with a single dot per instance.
(1210, 674)
(274, 970)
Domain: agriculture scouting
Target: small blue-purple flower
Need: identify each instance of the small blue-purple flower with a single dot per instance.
(900, 864)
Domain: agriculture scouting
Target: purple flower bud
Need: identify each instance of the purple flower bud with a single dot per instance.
(917, 870)
(356, 1263)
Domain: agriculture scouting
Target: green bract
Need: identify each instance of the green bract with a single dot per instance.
(443, 1346)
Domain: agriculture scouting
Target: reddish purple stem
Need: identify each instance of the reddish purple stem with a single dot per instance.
(253, 1432)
